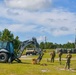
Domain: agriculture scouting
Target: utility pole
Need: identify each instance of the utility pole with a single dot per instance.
(45, 41)
(75, 38)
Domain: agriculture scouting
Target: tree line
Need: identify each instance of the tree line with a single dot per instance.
(50, 45)
(7, 35)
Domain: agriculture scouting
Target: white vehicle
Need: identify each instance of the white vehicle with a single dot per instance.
(32, 51)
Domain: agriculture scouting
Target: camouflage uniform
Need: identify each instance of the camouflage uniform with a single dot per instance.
(67, 65)
(60, 54)
(52, 56)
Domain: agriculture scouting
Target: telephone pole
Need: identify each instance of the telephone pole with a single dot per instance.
(45, 41)
(75, 38)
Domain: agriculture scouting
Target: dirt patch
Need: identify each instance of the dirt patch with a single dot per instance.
(45, 70)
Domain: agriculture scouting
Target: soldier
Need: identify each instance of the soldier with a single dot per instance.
(69, 56)
(52, 56)
(60, 54)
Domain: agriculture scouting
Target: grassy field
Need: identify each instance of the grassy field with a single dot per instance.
(44, 68)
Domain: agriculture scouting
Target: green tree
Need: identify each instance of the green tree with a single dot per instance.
(42, 45)
(7, 35)
(16, 42)
(49, 45)
(70, 45)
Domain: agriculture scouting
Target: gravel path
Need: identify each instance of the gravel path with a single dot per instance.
(29, 58)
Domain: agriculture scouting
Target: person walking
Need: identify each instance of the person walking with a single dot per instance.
(68, 59)
(52, 54)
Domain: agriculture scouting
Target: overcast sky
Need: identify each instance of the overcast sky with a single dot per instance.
(53, 19)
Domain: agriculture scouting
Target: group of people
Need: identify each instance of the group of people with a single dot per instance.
(68, 58)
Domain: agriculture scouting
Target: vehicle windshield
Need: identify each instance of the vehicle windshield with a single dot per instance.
(3, 44)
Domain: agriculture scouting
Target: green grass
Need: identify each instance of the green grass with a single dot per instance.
(44, 68)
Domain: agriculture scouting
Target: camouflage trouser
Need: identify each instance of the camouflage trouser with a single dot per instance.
(67, 65)
(60, 60)
(52, 59)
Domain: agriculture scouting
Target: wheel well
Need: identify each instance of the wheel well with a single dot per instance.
(4, 52)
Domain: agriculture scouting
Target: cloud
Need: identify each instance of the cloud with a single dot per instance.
(28, 4)
(56, 22)
(18, 28)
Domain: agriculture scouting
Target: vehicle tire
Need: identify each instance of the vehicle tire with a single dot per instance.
(3, 57)
(34, 53)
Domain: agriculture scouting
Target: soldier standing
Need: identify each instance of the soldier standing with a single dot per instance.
(52, 56)
(60, 54)
(69, 56)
